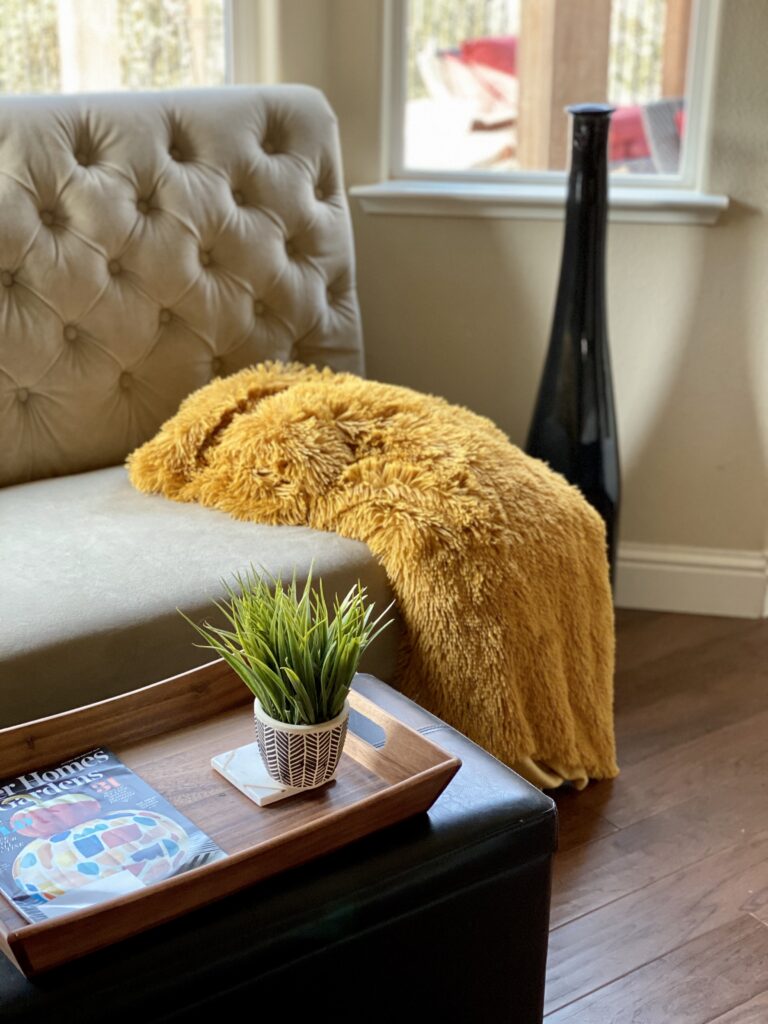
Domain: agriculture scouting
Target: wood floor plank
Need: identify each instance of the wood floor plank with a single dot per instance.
(715, 974)
(645, 638)
(576, 825)
(660, 897)
(608, 943)
(755, 1011)
(589, 877)
(691, 692)
(736, 753)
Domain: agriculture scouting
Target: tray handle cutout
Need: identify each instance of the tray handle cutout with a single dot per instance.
(366, 729)
(402, 753)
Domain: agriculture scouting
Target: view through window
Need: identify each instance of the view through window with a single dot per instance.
(487, 81)
(101, 45)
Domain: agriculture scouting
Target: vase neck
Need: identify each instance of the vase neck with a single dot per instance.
(587, 204)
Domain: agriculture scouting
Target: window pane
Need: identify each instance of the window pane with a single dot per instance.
(92, 45)
(487, 81)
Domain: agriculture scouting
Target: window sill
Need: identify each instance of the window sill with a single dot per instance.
(533, 202)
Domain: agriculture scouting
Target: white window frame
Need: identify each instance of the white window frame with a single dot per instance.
(678, 198)
(237, 55)
(251, 41)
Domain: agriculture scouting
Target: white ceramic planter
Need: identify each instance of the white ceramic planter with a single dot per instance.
(300, 756)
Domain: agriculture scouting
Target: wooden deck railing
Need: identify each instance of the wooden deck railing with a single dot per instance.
(629, 52)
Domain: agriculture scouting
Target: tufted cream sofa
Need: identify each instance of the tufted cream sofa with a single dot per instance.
(148, 243)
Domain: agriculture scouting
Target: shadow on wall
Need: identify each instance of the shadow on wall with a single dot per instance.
(450, 307)
(698, 454)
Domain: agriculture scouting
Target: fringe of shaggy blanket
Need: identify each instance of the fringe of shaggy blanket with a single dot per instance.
(498, 564)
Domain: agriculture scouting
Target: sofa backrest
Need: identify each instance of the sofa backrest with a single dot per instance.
(151, 241)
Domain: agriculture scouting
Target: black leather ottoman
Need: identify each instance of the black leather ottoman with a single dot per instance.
(445, 915)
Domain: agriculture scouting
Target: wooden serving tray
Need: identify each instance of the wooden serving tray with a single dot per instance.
(167, 733)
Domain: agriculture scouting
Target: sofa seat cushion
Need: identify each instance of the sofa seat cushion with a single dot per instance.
(93, 573)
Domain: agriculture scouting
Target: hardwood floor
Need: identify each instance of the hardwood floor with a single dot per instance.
(660, 895)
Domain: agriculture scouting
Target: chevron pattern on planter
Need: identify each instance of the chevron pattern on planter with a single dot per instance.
(301, 759)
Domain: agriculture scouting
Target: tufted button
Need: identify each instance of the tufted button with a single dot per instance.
(47, 217)
(142, 206)
(205, 257)
(126, 380)
(82, 158)
(238, 196)
(330, 296)
(259, 308)
(6, 278)
(70, 332)
(23, 395)
(290, 248)
(114, 267)
(319, 193)
(175, 153)
(216, 366)
(268, 147)
(165, 316)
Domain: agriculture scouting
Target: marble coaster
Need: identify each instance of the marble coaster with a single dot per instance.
(244, 768)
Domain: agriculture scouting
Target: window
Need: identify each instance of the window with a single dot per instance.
(481, 85)
(101, 45)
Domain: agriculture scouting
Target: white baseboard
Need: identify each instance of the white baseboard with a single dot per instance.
(704, 581)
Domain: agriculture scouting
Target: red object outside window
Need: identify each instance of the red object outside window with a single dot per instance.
(497, 52)
(627, 139)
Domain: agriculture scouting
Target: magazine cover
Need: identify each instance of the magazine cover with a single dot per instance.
(89, 830)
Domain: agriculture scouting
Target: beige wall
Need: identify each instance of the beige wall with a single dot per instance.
(461, 307)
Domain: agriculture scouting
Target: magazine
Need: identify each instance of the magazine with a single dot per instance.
(88, 830)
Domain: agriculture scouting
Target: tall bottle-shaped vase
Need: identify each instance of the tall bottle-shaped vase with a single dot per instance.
(574, 420)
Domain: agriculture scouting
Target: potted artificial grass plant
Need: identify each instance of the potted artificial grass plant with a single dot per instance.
(298, 659)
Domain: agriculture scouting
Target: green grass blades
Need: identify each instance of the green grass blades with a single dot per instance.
(290, 650)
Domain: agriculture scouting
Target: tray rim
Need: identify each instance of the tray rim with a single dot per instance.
(25, 945)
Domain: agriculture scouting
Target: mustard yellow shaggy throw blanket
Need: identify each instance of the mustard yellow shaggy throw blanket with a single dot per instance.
(498, 565)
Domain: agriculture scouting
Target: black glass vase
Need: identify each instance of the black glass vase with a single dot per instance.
(574, 420)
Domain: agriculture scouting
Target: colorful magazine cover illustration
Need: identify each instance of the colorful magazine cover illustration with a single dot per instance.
(88, 830)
